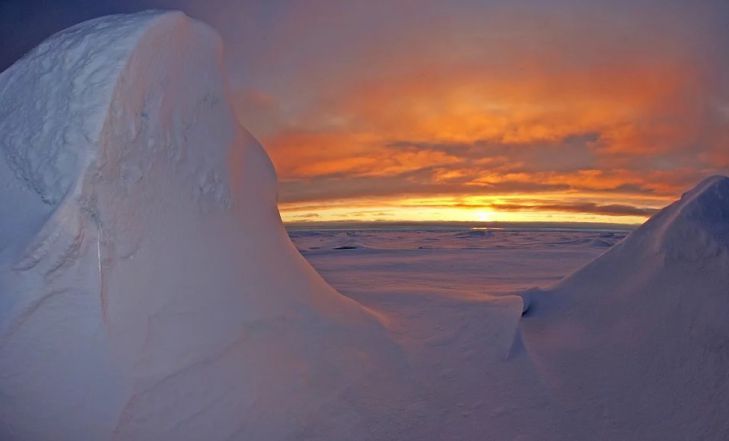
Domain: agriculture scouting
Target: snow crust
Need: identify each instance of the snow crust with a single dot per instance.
(149, 290)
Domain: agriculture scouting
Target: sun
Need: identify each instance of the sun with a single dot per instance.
(484, 216)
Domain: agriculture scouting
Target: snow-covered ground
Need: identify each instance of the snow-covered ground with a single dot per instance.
(360, 262)
(447, 296)
(149, 291)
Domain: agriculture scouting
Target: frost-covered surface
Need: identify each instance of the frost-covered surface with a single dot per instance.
(148, 290)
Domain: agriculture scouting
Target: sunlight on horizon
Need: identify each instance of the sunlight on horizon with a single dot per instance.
(524, 208)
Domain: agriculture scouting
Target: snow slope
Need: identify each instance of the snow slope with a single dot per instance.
(636, 344)
(149, 290)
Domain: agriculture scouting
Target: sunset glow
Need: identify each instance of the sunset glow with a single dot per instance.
(487, 112)
(596, 110)
(475, 209)
(562, 110)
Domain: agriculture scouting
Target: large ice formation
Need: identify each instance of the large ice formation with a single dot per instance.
(148, 288)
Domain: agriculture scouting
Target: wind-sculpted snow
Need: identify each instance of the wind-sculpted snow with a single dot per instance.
(636, 344)
(52, 110)
(149, 290)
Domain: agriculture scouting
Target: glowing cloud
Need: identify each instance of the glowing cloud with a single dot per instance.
(559, 110)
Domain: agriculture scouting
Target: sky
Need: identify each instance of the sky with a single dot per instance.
(464, 110)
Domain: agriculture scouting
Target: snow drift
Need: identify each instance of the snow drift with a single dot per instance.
(149, 290)
(636, 344)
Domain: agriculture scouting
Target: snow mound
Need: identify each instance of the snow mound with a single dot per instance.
(697, 226)
(636, 343)
(149, 289)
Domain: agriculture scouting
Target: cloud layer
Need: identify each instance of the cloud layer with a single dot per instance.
(590, 110)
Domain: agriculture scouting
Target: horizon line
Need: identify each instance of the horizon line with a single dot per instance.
(460, 224)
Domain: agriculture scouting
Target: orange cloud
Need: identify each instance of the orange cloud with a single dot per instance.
(591, 115)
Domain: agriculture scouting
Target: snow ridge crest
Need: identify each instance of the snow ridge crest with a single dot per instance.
(47, 131)
(695, 227)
